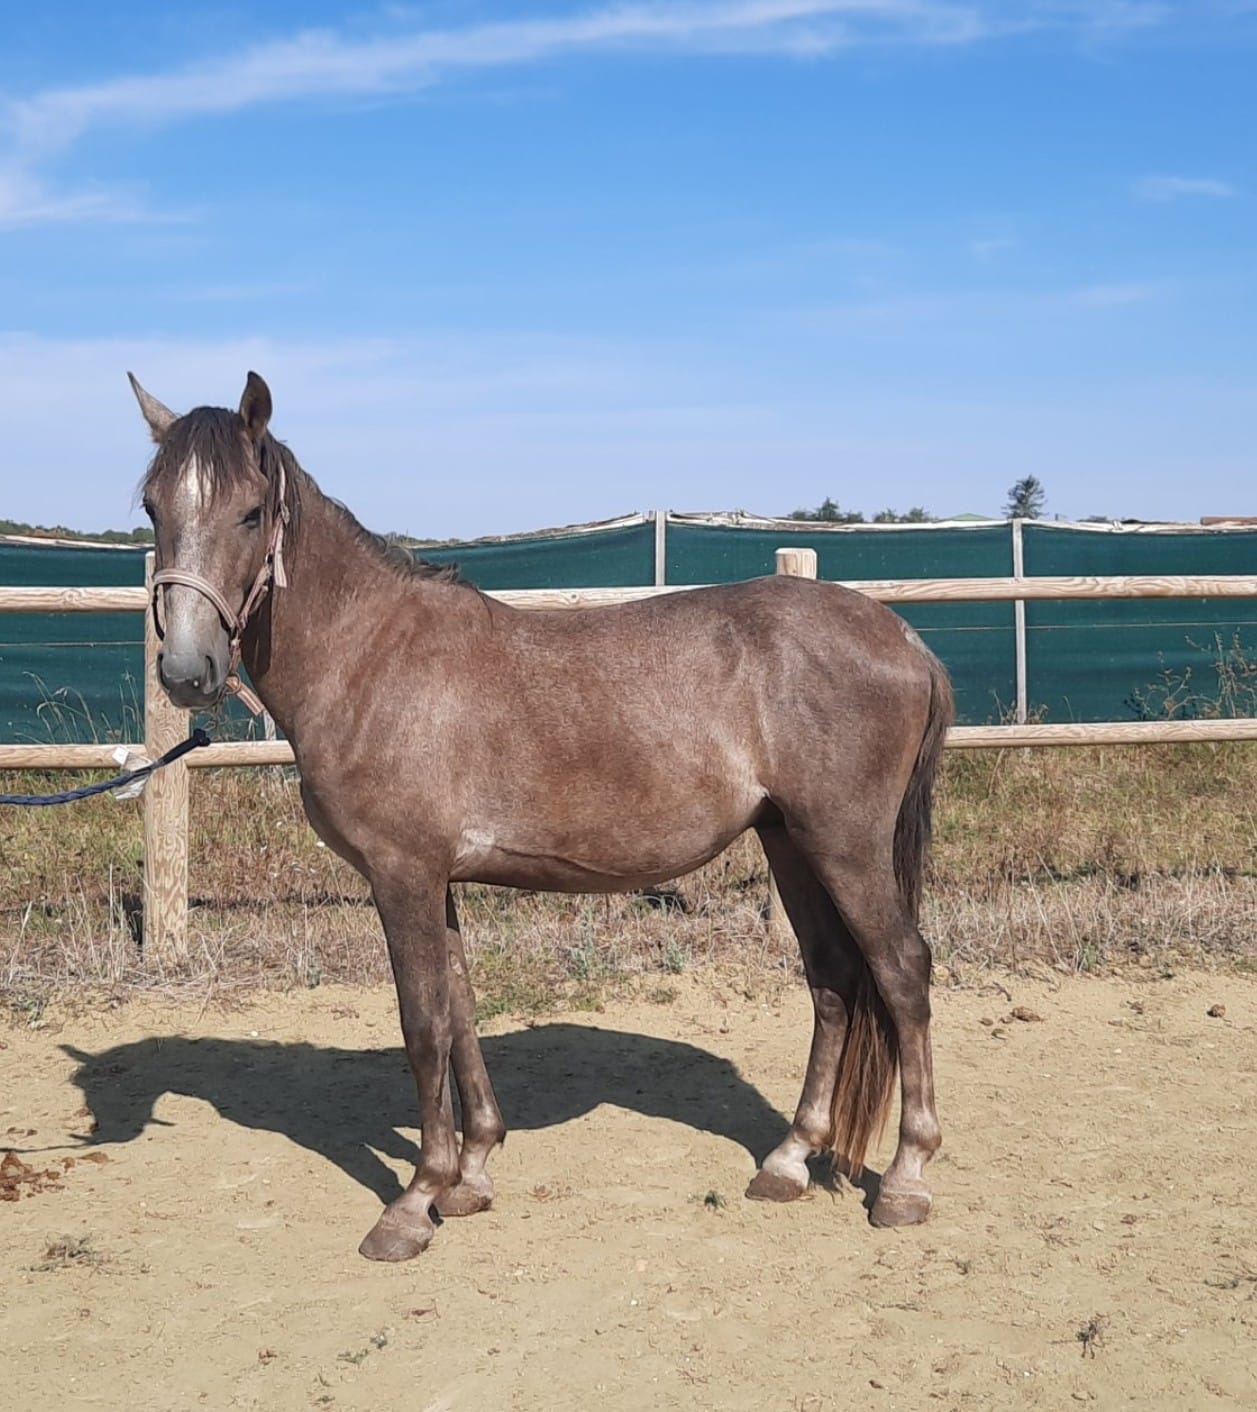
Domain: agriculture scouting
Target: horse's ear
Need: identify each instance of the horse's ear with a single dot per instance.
(158, 417)
(255, 407)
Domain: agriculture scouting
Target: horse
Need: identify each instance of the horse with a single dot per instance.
(443, 736)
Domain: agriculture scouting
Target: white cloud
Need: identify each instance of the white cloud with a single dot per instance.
(241, 291)
(26, 200)
(1099, 16)
(1113, 296)
(995, 245)
(320, 63)
(951, 311)
(324, 63)
(1174, 188)
(397, 428)
(448, 437)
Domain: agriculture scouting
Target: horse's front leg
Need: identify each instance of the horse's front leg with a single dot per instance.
(413, 914)
(483, 1127)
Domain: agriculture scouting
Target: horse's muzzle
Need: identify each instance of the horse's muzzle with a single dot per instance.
(193, 682)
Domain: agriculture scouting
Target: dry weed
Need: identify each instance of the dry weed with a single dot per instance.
(1070, 859)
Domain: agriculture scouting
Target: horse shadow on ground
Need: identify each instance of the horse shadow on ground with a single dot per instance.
(347, 1105)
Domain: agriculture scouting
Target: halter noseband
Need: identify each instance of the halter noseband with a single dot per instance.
(270, 571)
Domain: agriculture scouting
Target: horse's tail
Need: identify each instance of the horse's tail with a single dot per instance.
(912, 829)
(870, 1052)
(866, 1076)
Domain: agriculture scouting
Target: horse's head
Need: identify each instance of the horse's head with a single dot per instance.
(215, 495)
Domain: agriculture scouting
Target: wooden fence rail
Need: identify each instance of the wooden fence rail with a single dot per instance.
(166, 793)
(993, 590)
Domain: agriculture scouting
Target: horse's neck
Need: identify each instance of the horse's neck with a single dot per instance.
(330, 573)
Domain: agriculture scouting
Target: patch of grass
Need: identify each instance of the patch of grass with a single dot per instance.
(507, 984)
(356, 1356)
(660, 994)
(1240, 1280)
(1091, 1336)
(674, 959)
(1074, 860)
(26, 1004)
(70, 1252)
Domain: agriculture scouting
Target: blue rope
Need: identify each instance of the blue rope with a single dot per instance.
(195, 741)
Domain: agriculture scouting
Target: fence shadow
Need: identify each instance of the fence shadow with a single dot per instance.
(347, 1105)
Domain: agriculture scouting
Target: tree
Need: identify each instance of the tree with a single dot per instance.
(1026, 499)
(915, 516)
(829, 512)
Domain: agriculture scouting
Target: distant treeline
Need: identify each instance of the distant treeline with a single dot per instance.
(1027, 500)
(831, 513)
(140, 535)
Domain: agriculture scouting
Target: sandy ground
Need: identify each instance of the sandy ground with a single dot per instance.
(1093, 1239)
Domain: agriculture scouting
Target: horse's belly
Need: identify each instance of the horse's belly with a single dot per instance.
(607, 863)
(611, 829)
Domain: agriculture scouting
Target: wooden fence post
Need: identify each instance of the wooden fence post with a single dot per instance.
(799, 564)
(165, 814)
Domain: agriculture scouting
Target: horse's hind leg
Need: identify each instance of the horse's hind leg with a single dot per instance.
(483, 1128)
(833, 966)
(862, 881)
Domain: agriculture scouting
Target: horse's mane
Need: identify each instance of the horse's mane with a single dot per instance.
(215, 436)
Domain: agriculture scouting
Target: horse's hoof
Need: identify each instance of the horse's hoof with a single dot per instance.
(389, 1240)
(900, 1208)
(466, 1198)
(773, 1186)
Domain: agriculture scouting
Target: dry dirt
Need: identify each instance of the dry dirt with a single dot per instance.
(1093, 1238)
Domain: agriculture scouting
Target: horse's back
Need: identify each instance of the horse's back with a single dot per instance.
(738, 680)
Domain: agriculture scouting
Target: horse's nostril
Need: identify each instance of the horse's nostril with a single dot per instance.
(199, 675)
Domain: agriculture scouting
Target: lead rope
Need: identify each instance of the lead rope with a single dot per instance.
(196, 741)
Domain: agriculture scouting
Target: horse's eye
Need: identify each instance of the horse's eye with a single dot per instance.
(148, 509)
(253, 519)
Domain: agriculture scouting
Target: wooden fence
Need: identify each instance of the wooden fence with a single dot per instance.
(166, 793)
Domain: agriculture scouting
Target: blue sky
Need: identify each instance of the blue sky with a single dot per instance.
(510, 266)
